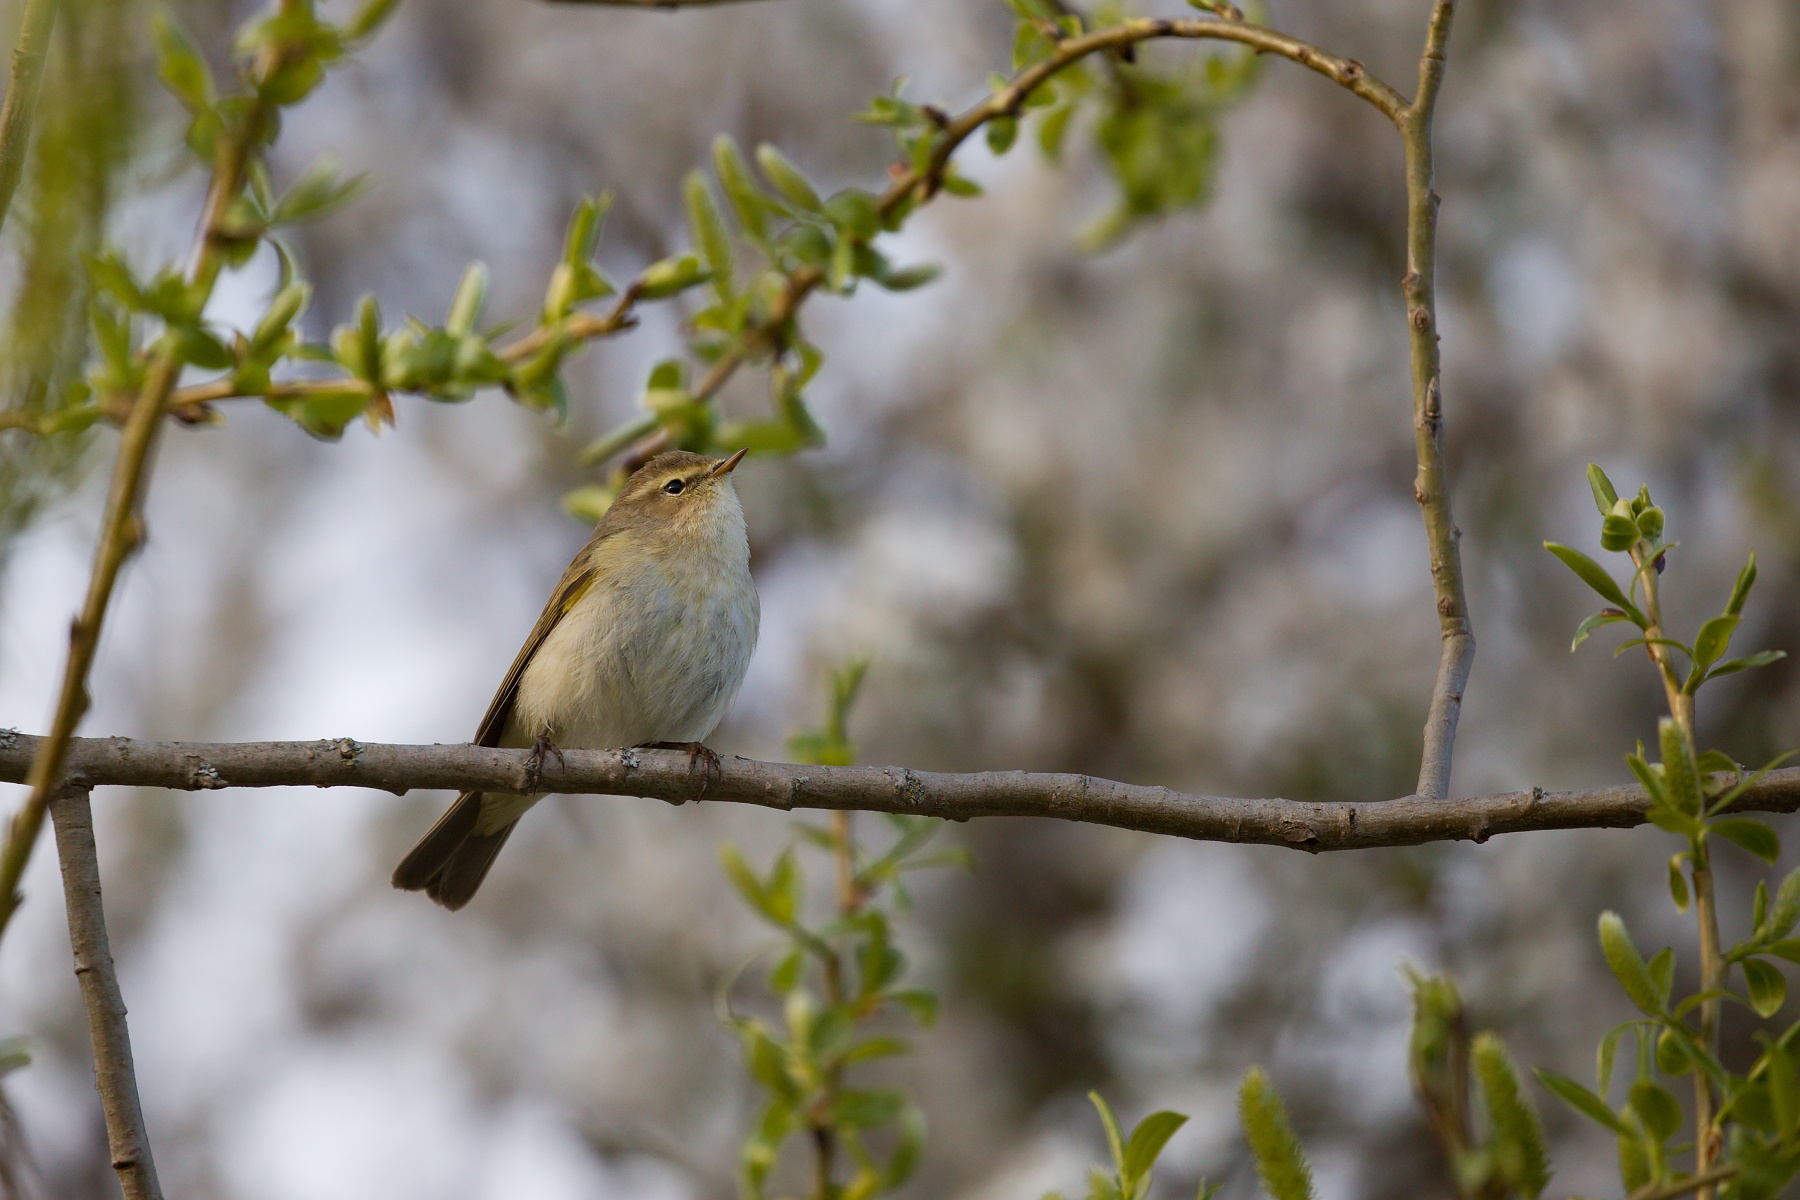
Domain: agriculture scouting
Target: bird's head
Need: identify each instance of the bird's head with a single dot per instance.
(679, 491)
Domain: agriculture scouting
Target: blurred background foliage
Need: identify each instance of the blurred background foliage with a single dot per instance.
(1145, 513)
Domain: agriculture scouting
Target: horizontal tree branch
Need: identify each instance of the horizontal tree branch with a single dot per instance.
(666, 775)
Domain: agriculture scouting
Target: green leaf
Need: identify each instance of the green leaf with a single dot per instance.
(1751, 834)
(769, 1062)
(785, 976)
(881, 1047)
(1767, 985)
(1714, 762)
(1650, 522)
(1732, 666)
(908, 1149)
(1618, 532)
(1740, 591)
(324, 415)
(286, 306)
(1788, 948)
(1651, 777)
(905, 279)
(787, 179)
(1656, 1108)
(783, 889)
(109, 274)
(1595, 576)
(1635, 1169)
(1713, 640)
(1671, 1055)
(1001, 133)
(179, 64)
(1606, 616)
(855, 212)
(1114, 1141)
(1662, 972)
(1678, 888)
(960, 185)
(1604, 495)
(1147, 1141)
(777, 899)
(1053, 129)
(1786, 911)
(1681, 774)
(465, 306)
(1280, 1161)
(583, 235)
(1518, 1137)
(1627, 966)
(707, 229)
(865, 1109)
(671, 276)
(315, 193)
(1784, 1088)
(197, 346)
(1580, 1099)
(741, 192)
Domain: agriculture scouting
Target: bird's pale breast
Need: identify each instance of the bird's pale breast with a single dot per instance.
(654, 651)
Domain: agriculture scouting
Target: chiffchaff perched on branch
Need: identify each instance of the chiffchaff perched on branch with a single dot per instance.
(644, 642)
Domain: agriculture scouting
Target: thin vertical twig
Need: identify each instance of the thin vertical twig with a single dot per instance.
(1430, 487)
(1706, 909)
(122, 527)
(114, 1075)
(21, 95)
(849, 902)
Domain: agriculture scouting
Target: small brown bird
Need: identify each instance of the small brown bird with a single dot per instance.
(644, 642)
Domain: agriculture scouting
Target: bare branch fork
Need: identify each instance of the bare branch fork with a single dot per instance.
(114, 1075)
(667, 775)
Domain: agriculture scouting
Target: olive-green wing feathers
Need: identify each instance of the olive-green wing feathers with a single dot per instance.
(573, 586)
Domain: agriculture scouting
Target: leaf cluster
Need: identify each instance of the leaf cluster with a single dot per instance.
(841, 986)
(1635, 526)
(278, 58)
(1759, 1110)
(1473, 1100)
(1757, 1117)
(1157, 134)
(1133, 1156)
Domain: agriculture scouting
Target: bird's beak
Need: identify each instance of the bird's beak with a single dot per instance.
(728, 465)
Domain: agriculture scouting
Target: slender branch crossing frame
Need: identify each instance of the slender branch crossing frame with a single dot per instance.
(667, 775)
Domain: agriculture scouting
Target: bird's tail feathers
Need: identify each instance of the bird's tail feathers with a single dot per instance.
(452, 859)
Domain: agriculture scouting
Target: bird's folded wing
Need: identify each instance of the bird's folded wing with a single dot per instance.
(573, 586)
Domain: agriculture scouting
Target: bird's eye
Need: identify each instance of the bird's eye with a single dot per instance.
(674, 487)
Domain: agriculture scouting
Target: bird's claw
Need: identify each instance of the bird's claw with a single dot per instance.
(697, 752)
(541, 750)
